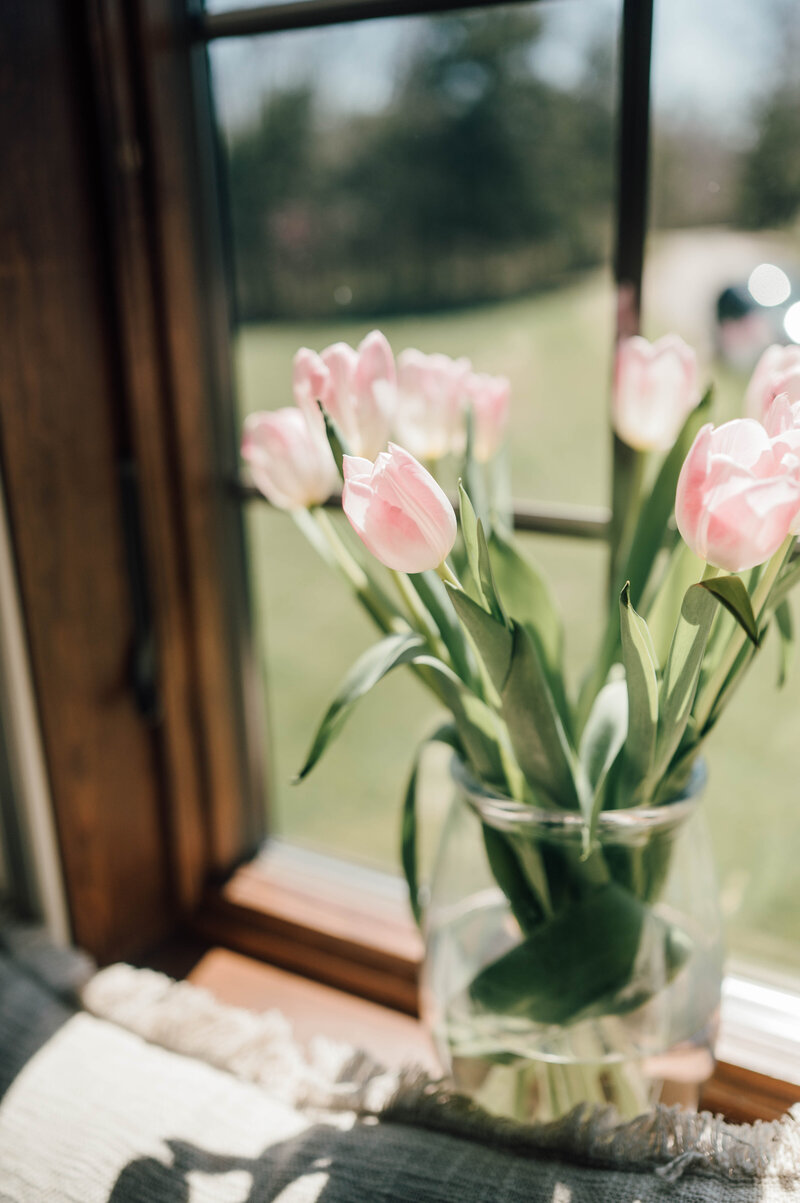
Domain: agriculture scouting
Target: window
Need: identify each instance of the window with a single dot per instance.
(299, 244)
(135, 587)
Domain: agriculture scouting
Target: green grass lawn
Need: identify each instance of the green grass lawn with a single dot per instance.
(556, 349)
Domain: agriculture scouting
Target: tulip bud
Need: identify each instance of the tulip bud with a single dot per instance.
(737, 500)
(360, 392)
(488, 398)
(310, 382)
(398, 511)
(429, 420)
(289, 458)
(655, 390)
(777, 371)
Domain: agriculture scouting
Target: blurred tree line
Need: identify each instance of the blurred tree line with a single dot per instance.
(769, 193)
(478, 180)
(752, 180)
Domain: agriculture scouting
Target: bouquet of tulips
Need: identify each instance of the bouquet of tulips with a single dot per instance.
(700, 547)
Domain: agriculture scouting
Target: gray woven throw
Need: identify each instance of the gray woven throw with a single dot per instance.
(156, 1093)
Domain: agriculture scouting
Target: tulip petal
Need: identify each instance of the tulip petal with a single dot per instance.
(655, 389)
(398, 511)
(290, 462)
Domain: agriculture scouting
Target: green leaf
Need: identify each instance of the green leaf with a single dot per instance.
(492, 638)
(367, 671)
(537, 733)
(369, 592)
(472, 475)
(486, 577)
(446, 733)
(433, 595)
(723, 631)
(483, 589)
(601, 742)
(657, 507)
(641, 667)
(469, 533)
(508, 873)
(526, 596)
(731, 592)
(479, 728)
(682, 672)
(582, 962)
(652, 526)
(787, 580)
(335, 438)
(785, 625)
(683, 569)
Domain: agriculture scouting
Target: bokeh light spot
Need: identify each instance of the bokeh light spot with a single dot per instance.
(769, 285)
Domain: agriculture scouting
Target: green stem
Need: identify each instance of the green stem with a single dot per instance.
(716, 683)
(448, 576)
(420, 617)
(376, 606)
(628, 477)
(333, 550)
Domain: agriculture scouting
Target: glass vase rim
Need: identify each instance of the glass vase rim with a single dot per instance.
(501, 811)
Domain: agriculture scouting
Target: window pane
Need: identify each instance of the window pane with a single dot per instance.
(725, 199)
(449, 179)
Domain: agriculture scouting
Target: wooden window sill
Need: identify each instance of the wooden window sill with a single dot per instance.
(363, 954)
(291, 914)
(395, 1039)
(313, 1009)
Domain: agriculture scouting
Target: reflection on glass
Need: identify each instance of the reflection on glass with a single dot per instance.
(451, 180)
(724, 271)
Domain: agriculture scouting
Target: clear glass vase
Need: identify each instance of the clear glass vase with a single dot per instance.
(557, 974)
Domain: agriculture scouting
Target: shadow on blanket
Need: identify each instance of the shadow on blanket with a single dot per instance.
(30, 1013)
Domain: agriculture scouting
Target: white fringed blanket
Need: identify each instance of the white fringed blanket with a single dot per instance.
(154, 1093)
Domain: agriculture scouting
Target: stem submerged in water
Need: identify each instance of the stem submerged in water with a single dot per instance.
(542, 1091)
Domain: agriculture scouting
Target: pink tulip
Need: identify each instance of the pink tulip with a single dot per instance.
(360, 392)
(655, 390)
(429, 420)
(398, 511)
(289, 458)
(737, 499)
(782, 417)
(488, 397)
(782, 424)
(777, 371)
(310, 381)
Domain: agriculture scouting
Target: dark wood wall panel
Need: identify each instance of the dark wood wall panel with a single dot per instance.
(61, 431)
(195, 321)
(124, 161)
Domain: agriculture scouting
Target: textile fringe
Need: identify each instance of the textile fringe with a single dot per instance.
(187, 1019)
(332, 1076)
(669, 1140)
